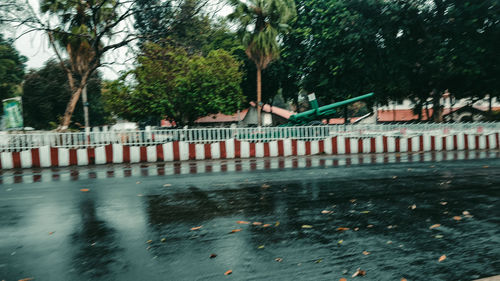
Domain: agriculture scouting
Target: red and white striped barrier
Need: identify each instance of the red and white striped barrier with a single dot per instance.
(234, 165)
(229, 149)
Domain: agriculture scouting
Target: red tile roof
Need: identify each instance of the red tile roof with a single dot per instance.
(400, 115)
(336, 121)
(222, 118)
(275, 110)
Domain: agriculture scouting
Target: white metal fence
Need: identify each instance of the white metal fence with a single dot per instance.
(21, 141)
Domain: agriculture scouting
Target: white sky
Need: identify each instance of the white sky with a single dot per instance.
(36, 49)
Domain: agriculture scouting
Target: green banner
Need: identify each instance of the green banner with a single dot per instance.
(13, 113)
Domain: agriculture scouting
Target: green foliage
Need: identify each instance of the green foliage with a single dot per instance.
(399, 49)
(259, 24)
(46, 92)
(80, 22)
(11, 69)
(170, 83)
(184, 23)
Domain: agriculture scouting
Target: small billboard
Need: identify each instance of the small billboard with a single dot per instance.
(13, 113)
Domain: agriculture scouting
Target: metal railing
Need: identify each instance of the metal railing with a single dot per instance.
(22, 141)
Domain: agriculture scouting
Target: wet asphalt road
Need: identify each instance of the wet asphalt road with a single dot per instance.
(139, 227)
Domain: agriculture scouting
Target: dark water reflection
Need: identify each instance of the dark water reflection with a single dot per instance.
(96, 252)
(377, 211)
(317, 221)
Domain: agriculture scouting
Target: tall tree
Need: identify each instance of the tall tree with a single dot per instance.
(260, 23)
(171, 83)
(11, 68)
(86, 30)
(45, 92)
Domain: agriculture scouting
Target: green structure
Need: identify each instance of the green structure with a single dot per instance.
(319, 113)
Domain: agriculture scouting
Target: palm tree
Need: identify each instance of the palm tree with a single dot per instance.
(260, 22)
(78, 35)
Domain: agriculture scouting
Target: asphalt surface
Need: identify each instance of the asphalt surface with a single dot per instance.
(166, 226)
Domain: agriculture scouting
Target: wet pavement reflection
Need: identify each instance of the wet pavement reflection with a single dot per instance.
(392, 221)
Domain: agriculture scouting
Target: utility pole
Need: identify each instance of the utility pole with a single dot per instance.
(86, 110)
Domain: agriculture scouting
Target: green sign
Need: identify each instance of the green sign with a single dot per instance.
(13, 113)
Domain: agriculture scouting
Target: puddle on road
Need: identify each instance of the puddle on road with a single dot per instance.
(392, 221)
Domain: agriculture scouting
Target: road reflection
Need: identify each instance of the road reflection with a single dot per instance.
(96, 251)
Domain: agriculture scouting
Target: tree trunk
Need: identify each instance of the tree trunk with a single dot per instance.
(70, 108)
(346, 116)
(490, 99)
(259, 96)
(85, 108)
(437, 110)
(427, 112)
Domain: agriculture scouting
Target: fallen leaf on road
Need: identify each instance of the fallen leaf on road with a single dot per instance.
(243, 222)
(235, 230)
(260, 247)
(434, 226)
(278, 259)
(163, 239)
(342, 228)
(318, 261)
(457, 218)
(212, 256)
(149, 241)
(307, 226)
(443, 203)
(366, 253)
(340, 241)
(257, 223)
(196, 227)
(442, 258)
(326, 212)
(84, 190)
(228, 272)
(359, 272)
(277, 223)
(266, 225)
(413, 207)
(167, 185)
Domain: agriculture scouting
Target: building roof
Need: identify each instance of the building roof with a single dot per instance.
(275, 110)
(408, 115)
(222, 118)
(336, 121)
